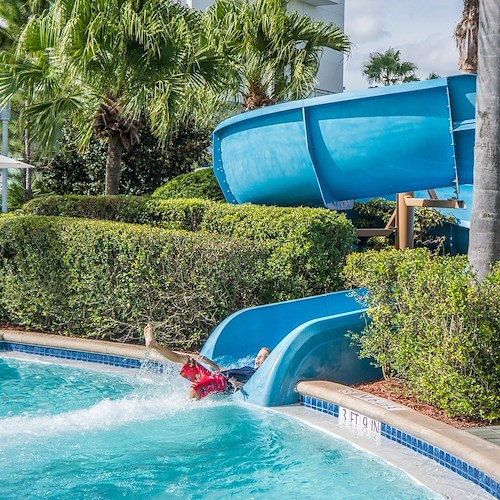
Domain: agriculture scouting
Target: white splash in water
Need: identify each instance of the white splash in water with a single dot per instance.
(158, 395)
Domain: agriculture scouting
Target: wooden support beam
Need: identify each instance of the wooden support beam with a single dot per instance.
(405, 221)
(421, 202)
(391, 223)
(374, 231)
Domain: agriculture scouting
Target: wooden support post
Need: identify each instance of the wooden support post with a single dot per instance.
(405, 220)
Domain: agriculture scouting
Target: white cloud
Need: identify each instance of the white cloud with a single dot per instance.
(364, 29)
(422, 30)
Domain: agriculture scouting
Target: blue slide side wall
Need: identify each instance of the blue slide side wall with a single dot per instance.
(308, 341)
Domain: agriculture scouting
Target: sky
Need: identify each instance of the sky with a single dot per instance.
(421, 29)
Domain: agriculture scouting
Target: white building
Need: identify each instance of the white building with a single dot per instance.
(331, 72)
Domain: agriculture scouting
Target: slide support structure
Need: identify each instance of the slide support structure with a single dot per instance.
(405, 221)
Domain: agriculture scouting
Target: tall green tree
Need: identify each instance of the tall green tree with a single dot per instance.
(484, 245)
(108, 66)
(14, 14)
(388, 69)
(273, 54)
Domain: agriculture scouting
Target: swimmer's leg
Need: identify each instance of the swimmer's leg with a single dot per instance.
(151, 343)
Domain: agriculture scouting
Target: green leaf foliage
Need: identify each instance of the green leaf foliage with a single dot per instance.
(273, 51)
(198, 184)
(105, 279)
(388, 69)
(434, 326)
(307, 245)
(145, 166)
(109, 68)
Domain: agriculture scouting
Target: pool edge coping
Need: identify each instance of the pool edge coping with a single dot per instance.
(79, 344)
(479, 453)
(425, 473)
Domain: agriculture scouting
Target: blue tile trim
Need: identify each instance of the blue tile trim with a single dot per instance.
(426, 449)
(317, 404)
(89, 357)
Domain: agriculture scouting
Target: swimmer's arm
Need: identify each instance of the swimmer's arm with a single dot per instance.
(208, 362)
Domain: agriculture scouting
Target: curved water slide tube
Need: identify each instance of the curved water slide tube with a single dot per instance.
(329, 151)
(308, 341)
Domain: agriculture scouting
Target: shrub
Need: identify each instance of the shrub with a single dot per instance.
(170, 214)
(433, 326)
(307, 245)
(144, 167)
(198, 184)
(106, 280)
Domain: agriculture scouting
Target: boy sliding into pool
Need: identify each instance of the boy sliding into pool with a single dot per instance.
(203, 380)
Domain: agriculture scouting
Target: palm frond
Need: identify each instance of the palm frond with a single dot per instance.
(47, 119)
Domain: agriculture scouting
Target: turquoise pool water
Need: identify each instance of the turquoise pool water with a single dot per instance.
(140, 437)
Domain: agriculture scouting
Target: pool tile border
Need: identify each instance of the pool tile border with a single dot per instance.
(435, 453)
(88, 357)
(82, 350)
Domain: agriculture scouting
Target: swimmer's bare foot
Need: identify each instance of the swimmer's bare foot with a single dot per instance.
(149, 336)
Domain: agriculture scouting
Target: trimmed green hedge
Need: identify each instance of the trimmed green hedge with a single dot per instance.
(433, 326)
(198, 184)
(307, 245)
(106, 280)
(186, 214)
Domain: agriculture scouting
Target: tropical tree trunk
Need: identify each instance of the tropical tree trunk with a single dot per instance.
(484, 246)
(113, 164)
(466, 36)
(26, 176)
(256, 96)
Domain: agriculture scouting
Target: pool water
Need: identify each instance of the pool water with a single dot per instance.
(31, 388)
(140, 437)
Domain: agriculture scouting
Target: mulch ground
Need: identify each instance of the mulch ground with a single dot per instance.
(394, 390)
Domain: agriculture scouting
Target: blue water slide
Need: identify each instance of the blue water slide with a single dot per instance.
(329, 150)
(308, 341)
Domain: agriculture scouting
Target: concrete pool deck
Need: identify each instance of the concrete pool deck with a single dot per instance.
(476, 448)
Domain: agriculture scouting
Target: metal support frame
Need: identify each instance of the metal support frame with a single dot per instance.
(5, 117)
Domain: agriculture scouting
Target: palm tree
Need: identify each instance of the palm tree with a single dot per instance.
(388, 69)
(484, 245)
(273, 54)
(14, 15)
(466, 36)
(107, 67)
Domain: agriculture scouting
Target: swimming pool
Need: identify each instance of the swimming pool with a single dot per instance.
(140, 437)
